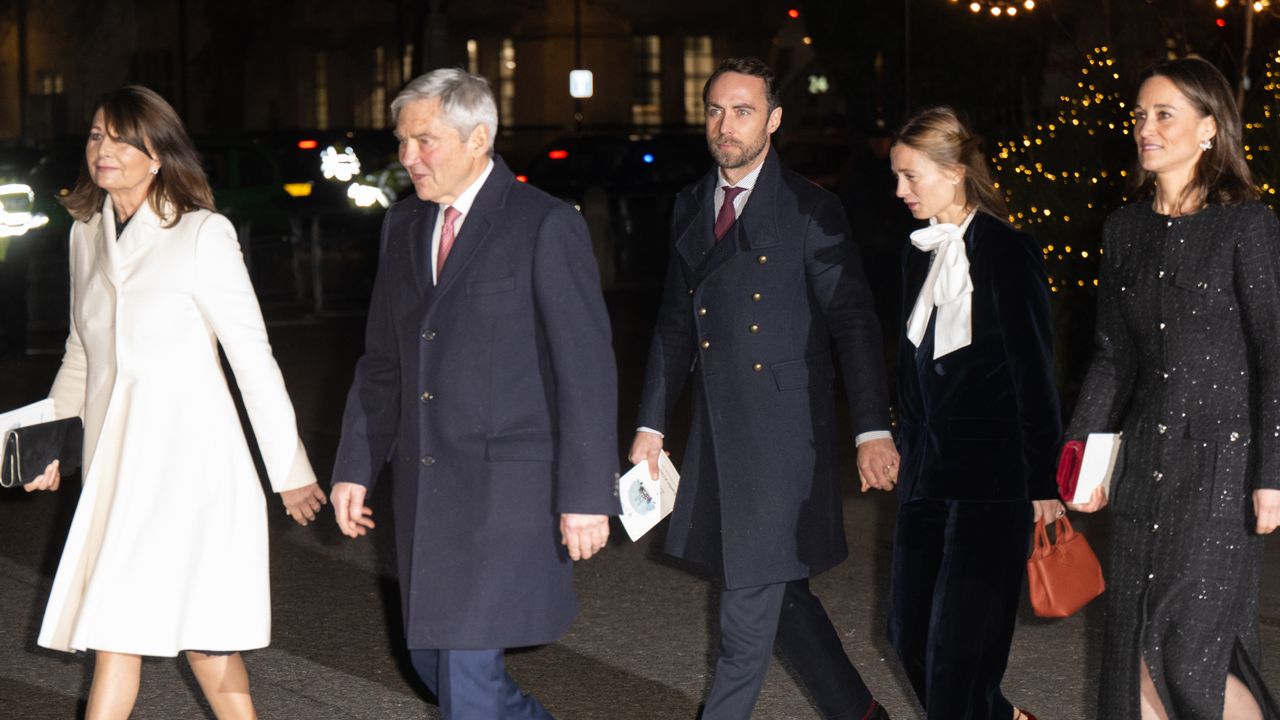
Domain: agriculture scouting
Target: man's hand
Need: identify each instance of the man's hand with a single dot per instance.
(302, 504)
(1097, 501)
(584, 535)
(354, 519)
(878, 464)
(1266, 506)
(646, 446)
(48, 480)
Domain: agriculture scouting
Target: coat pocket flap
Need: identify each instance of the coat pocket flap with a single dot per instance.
(531, 445)
(489, 287)
(1195, 279)
(1218, 431)
(794, 374)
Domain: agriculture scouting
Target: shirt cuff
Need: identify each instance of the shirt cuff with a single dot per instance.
(869, 435)
(650, 430)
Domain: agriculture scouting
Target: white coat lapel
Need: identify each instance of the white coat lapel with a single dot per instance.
(108, 254)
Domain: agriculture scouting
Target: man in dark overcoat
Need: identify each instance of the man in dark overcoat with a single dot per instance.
(763, 280)
(488, 382)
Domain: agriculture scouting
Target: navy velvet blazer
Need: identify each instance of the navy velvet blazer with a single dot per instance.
(982, 423)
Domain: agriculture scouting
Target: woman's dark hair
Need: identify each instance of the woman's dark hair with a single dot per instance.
(139, 116)
(946, 138)
(1221, 175)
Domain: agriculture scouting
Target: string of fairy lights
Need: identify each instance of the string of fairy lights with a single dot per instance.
(997, 8)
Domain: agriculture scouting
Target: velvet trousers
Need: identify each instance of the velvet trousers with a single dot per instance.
(956, 582)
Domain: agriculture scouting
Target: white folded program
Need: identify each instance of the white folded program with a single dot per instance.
(1097, 465)
(37, 412)
(645, 501)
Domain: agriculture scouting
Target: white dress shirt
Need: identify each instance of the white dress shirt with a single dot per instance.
(463, 205)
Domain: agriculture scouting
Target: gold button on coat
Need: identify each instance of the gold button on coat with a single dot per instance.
(762, 259)
(755, 297)
(706, 344)
(755, 328)
(702, 312)
(757, 367)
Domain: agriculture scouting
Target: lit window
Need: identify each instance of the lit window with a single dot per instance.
(507, 83)
(646, 109)
(473, 57)
(699, 63)
(322, 93)
(378, 98)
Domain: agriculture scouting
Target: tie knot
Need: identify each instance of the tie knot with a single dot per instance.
(450, 215)
(732, 192)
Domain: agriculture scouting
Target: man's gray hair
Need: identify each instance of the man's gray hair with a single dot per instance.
(465, 100)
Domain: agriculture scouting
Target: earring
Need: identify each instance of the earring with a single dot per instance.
(1206, 145)
(155, 171)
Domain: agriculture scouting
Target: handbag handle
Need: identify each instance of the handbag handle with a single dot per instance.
(1062, 533)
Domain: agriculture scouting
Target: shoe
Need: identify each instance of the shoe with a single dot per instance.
(1023, 714)
(877, 712)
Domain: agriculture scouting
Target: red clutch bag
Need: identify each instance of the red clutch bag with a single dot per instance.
(1069, 468)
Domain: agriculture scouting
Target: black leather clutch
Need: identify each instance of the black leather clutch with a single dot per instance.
(29, 450)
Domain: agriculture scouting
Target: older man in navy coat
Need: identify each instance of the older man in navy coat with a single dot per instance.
(763, 280)
(488, 382)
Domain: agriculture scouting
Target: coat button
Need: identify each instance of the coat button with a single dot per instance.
(427, 397)
(762, 259)
(706, 344)
(939, 369)
(428, 461)
(428, 334)
(1157, 476)
(755, 297)
(690, 291)
(1160, 274)
(755, 328)
(757, 367)
(1162, 428)
(702, 312)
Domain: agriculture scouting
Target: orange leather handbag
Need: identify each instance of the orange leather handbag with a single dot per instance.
(1063, 576)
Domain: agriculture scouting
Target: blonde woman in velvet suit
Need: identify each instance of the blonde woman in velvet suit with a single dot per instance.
(168, 548)
(980, 424)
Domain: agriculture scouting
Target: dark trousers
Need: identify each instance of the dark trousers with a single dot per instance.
(956, 580)
(474, 685)
(752, 620)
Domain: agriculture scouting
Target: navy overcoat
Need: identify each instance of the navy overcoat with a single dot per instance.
(753, 319)
(493, 395)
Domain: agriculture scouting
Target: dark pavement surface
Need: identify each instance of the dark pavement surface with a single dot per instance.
(641, 649)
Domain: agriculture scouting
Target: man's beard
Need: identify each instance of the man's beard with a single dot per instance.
(746, 155)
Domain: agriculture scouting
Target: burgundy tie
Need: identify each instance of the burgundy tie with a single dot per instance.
(446, 238)
(726, 216)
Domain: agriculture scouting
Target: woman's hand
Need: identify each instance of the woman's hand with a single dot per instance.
(303, 503)
(48, 480)
(1097, 501)
(1266, 507)
(1049, 510)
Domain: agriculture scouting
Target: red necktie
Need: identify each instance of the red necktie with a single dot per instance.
(446, 238)
(726, 216)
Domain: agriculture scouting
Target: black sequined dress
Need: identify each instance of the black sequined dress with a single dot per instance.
(1187, 365)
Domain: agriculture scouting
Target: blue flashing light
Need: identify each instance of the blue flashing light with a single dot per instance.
(648, 158)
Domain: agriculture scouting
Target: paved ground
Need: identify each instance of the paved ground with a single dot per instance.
(641, 649)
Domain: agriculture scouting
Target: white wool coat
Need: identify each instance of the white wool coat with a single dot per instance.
(168, 547)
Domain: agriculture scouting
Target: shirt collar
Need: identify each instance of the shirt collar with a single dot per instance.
(463, 202)
(748, 182)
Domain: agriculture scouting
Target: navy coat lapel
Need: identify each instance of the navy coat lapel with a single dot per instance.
(476, 226)
(697, 235)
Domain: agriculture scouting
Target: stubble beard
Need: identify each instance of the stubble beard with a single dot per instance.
(731, 160)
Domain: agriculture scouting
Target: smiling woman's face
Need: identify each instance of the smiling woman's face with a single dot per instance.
(1168, 128)
(117, 167)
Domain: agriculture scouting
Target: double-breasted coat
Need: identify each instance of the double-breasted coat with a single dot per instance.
(753, 320)
(168, 547)
(493, 395)
(1185, 366)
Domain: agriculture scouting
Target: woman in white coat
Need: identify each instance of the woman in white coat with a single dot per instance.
(168, 548)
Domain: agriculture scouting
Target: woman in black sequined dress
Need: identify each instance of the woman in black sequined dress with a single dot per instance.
(1185, 366)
